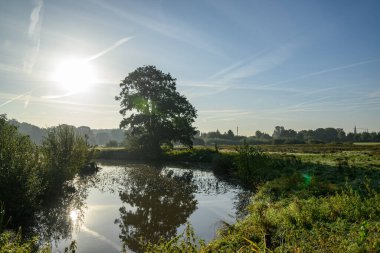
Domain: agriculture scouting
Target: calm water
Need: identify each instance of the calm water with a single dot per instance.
(119, 205)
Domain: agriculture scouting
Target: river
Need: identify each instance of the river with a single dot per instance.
(124, 204)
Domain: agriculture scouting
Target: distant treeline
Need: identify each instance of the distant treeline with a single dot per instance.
(281, 135)
(102, 137)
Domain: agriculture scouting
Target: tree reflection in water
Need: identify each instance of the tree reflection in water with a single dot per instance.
(64, 211)
(155, 201)
(158, 202)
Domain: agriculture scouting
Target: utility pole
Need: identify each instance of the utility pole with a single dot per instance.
(237, 131)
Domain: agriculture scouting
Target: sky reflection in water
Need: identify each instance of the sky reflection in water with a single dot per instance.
(122, 204)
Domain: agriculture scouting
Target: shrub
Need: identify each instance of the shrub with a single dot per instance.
(64, 153)
(112, 143)
(12, 242)
(20, 177)
(222, 165)
(251, 164)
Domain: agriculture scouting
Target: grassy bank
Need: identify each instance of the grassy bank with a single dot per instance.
(305, 202)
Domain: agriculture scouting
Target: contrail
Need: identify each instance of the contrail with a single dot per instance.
(59, 96)
(27, 101)
(15, 98)
(34, 35)
(34, 18)
(324, 71)
(115, 45)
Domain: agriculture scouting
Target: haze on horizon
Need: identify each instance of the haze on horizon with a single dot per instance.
(255, 64)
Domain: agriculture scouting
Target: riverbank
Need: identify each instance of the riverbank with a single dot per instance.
(324, 201)
(316, 198)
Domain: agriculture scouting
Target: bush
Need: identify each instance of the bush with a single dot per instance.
(12, 242)
(251, 164)
(20, 175)
(112, 143)
(190, 155)
(64, 153)
(222, 165)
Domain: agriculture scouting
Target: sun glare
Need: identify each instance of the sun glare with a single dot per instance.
(75, 75)
(74, 215)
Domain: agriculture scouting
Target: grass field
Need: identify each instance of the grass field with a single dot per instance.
(366, 143)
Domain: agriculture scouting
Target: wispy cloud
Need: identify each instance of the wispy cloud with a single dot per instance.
(16, 97)
(322, 104)
(59, 96)
(34, 35)
(235, 66)
(375, 94)
(28, 98)
(324, 71)
(9, 68)
(107, 50)
(257, 64)
(231, 76)
(174, 28)
(35, 19)
(235, 75)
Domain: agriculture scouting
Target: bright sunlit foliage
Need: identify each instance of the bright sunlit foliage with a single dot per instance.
(75, 75)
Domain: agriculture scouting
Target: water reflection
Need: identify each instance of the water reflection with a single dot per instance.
(74, 216)
(145, 202)
(64, 212)
(156, 203)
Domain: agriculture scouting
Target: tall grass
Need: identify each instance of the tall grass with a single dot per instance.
(317, 203)
(345, 221)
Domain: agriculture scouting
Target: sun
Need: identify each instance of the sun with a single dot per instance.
(75, 75)
(74, 215)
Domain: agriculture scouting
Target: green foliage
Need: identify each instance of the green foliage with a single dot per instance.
(346, 221)
(20, 175)
(318, 201)
(190, 155)
(64, 153)
(112, 143)
(28, 173)
(223, 165)
(253, 166)
(12, 242)
(160, 114)
(250, 163)
(186, 242)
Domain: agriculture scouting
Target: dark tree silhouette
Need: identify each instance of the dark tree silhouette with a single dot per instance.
(159, 114)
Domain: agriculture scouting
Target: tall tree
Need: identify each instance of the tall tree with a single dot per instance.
(158, 113)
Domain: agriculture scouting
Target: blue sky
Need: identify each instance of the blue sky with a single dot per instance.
(255, 64)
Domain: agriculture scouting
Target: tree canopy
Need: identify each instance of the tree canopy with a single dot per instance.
(154, 112)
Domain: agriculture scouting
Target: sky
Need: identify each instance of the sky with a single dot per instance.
(251, 64)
